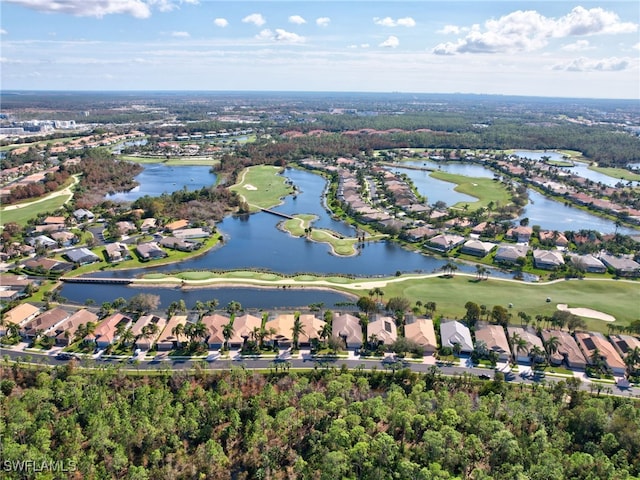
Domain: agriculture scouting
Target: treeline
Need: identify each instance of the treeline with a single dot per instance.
(604, 144)
(327, 424)
(102, 174)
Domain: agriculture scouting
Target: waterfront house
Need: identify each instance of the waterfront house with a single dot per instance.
(243, 328)
(105, 332)
(215, 325)
(445, 242)
(168, 339)
(146, 342)
(311, 325)
(509, 253)
(149, 251)
(82, 256)
(117, 252)
(45, 322)
(477, 248)
(65, 332)
(282, 325)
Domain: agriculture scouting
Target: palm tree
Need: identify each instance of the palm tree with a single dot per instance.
(200, 331)
(127, 336)
(178, 331)
(227, 333)
(13, 330)
(296, 330)
(551, 346)
(325, 332)
(535, 353)
(632, 360)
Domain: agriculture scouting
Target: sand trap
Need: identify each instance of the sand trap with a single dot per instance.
(248, 186)
(587, 312)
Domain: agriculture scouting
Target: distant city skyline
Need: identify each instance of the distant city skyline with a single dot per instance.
(556, 49)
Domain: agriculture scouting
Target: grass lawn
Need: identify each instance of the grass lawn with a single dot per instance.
(172, 160)
(33, 207)
(486, 190)
(262, 187)
(620, 173)
(340, 246)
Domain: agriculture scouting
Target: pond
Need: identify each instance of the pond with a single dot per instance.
(157, 178)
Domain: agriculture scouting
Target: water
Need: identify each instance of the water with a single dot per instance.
(433, 189)
(260, 298)
(157, 178)
(554, 215)
(459, 168)
(537, 155)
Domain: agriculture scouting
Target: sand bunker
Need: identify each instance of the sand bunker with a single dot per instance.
(587, 312)
(248, 186)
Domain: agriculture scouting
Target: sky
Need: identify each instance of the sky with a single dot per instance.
(553, 48)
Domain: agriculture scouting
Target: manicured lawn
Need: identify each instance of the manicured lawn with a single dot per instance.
(485, 190)
(620, 173)
(172, 160)
(340, 246)
(262, 187)
(23, 214)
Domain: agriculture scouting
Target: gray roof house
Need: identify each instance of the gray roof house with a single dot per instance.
(531, 339)
(510, 253)
(547, 259)
(82, 256)
(445, 242)
(621, 265)
(150, 250)
(588, 263)
(477, 247)
(454, 332)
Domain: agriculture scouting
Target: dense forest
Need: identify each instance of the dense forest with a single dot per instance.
(325, 424)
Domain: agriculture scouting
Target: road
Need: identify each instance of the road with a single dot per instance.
(214, 363)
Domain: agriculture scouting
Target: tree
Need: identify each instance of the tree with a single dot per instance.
(227, 333)
(127, 336)
(398, 304)
(325, 332)
(143, 303)
(234, 307)
(296, 330)
(551, 346)
(500, 315)
(367, 305)
(473, 313)
(430, 307)
(535, 354)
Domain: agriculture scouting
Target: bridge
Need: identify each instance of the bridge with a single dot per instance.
(277, 214)
(104, 281)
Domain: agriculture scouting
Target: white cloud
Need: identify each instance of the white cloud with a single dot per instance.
(280, 36)
(297, 19)
(180, 34)
(256, 18)
(636, 46)
(583, 64)
(578, 46)
(323, 21)
(221, 22)
(93, 8)
(391, 42)
(3, 31)
(390, 22)
(450, 30)
(525, 31)
(362, 45)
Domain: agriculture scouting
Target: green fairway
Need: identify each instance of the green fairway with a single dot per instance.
(485, 190)
(619, 173)
(339, 246)
(172, 160)
(262, 187)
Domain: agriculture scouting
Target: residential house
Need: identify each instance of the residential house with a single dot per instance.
(549, 237)
(547, 259)
(282, 325)
(64, 238)
(243, 328)
(445, 242)
(148, 224)
(420, 233)
(45, 322)
(348, 328)
(117, 252)
(179, 244)
(477, 248)
(531, 340)
(215, 324)
(42, 241)
(168, 339)
(65, 332)
(383, 329)
(150, 250)
(592, 341)
(621, 265)
(51, 220)
(511, 254)
(125, 227)
(311, 325)
(7, 295)
(624, 343)
(82, 215)
(187, 233)
(520, 234)
(588, 263)
(453, 332)
(19, 315)
(48, 265)
(146, 342)
(105, 332)
(495, 339)
(177, 225)
(568, 349)
(82, 256)
(421, 331)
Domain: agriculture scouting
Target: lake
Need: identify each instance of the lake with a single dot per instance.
(157, 178)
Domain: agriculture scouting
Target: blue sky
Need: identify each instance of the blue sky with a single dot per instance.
(549, 48)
